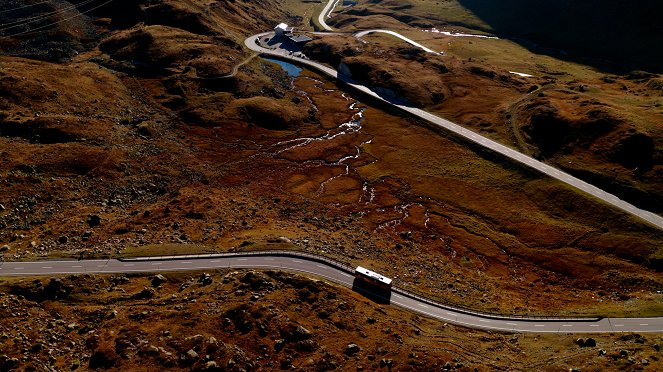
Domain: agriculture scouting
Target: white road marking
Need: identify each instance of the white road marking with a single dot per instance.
(242, 259)
(187, 262)
(269, 259)
(448, 125)
(298, 261)
(472, 321)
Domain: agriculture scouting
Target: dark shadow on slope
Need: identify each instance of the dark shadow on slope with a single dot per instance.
(613, 35)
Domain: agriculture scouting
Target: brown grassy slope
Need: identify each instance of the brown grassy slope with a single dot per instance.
(263, 321)
(204, 175)
(159, 47)
(622, 155)
(172, 158)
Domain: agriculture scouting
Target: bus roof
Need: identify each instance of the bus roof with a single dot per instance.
(373, 275)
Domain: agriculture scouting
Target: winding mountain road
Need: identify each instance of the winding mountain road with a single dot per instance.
(652, 218)
(361, 34)
(322, 17)
(331, 4)
(338, 273)
(335, 272)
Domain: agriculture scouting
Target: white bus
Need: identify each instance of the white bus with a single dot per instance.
(372, 278)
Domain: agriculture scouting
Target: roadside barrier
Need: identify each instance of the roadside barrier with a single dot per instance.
(344, 267)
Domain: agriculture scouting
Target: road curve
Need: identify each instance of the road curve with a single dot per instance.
(335, 272)
(651, 218)
(396, 34)
(322, 17)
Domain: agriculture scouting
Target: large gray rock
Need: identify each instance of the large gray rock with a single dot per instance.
(158, 279)
(191, 354)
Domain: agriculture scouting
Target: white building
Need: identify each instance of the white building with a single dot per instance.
(282, 29)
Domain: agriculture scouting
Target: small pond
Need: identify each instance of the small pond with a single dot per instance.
(290, 68)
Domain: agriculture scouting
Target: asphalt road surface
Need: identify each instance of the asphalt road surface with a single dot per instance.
(396, 34)
(528, 161)
(322, 17)
(318, 266)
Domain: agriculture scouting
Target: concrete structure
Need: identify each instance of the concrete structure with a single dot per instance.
(282, 29)
(299, 39)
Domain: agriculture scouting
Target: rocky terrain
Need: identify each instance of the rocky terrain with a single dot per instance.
(161, 134)
(600, 126)
(247, 321)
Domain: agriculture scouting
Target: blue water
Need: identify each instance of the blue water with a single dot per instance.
(289, 68)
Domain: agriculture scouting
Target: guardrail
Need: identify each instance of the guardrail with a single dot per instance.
(350, 270)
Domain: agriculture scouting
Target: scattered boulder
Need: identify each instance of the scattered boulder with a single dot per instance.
(590, 342)
(211, 365)
(103, 358)
(278, 344)
(405, 234)
(149, 349)
(205, 279)
(144, 128)
(93, 220)
(144, 294)
(352, 349)
(257, 281)
(4, 248)
(195, 339)
(158, 279)
(191, 355)
(307, 346)
(7, 363)
(121, 279)
(295, 332)
(387, 363)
